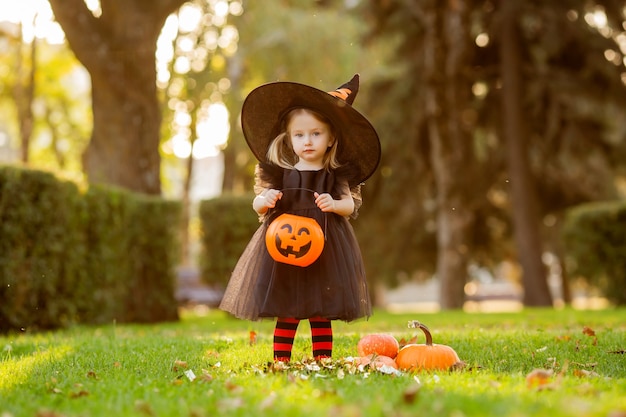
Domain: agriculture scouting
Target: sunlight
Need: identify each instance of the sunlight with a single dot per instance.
(597, 19)
(165, 49)
(190, 17)
(482, 40)
(36, 18)
(17, 371)
(181, 146)
(212, 131)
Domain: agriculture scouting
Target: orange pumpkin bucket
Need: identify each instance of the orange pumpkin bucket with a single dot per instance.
(294, 240)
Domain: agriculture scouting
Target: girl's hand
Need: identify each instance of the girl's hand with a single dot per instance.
(271, 197)
(266, 201)
(325, 202)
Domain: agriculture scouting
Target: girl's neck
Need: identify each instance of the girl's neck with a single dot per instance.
(308, 166)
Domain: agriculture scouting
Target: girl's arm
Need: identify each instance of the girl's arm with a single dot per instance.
(343, 207)
(266, 200)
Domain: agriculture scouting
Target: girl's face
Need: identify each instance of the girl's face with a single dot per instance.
(310, 139)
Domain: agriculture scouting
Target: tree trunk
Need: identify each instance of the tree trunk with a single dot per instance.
(24, 94)
(526, 220)
(237, 178)
(447, 97)
(118, 49)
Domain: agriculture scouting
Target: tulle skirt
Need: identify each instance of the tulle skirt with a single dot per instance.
(333, 287)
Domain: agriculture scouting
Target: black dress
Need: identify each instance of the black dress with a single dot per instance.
(333, 287)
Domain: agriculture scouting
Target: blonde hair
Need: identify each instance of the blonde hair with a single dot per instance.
(280, 151)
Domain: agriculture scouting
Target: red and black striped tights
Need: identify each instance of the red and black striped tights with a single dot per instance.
(285, 333)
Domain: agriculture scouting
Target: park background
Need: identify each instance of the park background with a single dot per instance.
(500, 123)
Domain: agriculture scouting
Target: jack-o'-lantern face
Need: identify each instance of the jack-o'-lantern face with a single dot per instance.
(294, 240)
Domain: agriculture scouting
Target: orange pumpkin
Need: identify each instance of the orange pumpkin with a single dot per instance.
(381, 344)
(294, 240)
(429, 356)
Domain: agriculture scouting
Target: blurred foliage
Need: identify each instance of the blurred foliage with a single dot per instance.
(227, 223)
(42, 250)
(69, 256)
(595, 241)
(61, 106)
(573, 107)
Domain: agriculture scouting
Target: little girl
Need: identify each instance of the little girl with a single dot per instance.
(314, 151)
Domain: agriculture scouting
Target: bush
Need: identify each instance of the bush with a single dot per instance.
(227, 224)
(132, 250)
(41, 249)
(68, 257)
(154, 250)
(595, 244)
(108, 243)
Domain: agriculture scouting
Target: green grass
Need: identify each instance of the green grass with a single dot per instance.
(135, 370)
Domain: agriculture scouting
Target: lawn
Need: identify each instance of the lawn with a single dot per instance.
(209, 364)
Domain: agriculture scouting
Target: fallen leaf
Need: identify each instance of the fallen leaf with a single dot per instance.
(230, 403)
(48, 413)
(458, 366)
(403, 342)
(205, 376)
(539, 377)
(591, 365)
(410, 394)
(232, 387)
(582, 373)
(211, 354)
(144, 408)
(92, 374)
(78, 394)
(178, 365)
(268, 402)
(588, 331)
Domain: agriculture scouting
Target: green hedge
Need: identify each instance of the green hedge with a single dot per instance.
(68, 256)
(133, 251)
(41, 249)
(227, 224)
(594, 235)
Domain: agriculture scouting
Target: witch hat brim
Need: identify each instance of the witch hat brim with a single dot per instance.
(266, 105)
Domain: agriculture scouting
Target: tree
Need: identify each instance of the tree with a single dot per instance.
(523, 193)
(23, 87)
(197, 83)
(117, 45)
(438, 52)
(448, 90)
(571, 96)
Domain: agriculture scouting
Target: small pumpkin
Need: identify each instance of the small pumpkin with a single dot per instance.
(428, 356)
(294, 240)
(381, 344)
(377, 361)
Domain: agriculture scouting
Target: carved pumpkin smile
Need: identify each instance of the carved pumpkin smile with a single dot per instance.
(294, 240)
(294, 244)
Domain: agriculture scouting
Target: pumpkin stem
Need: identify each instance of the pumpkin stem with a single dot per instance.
(414, 324)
